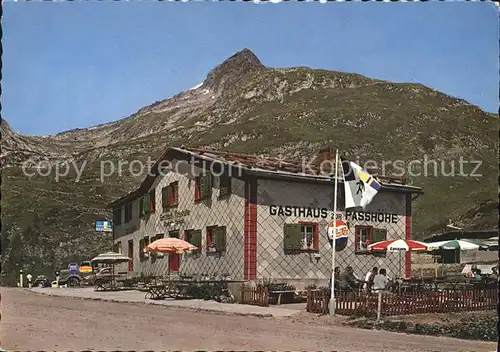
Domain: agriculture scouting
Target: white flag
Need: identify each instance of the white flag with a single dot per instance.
(360, 187)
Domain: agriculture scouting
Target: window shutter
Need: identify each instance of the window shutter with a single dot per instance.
(176, 193)
(165, 197)
(315, 244)
(224, 185)
(141, 248)
(205, 185)
(379, 235)
(141, 207)
(220, 238)
(196, 239)
(117, 216)
(293, 236)
(146, 204)
(152, 200)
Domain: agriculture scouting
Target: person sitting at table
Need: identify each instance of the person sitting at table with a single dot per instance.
(477, 275)
(494, 273)
(380, 281)
(349, 279)
(369, 279)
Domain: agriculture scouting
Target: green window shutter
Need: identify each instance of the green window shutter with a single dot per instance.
(293, 236)
(141, 248)
(224, 185)
(220, 238)
(165, 197)
(196, 239)
(205, 185)
(146, 204)
(379, 235)
(141, 207)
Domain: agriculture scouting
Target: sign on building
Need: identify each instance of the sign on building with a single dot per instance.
(104, 226)
(73, 267)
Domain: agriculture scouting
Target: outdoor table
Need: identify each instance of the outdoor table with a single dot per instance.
(104, 283)
(179, 287)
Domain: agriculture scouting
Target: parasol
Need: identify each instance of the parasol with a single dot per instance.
(399, 245)
(170, 245)
(111, 258)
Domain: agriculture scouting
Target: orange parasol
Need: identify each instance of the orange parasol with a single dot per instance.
(170, 245)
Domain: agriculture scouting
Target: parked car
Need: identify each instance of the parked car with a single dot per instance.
(70, 278)
(100, 273)
(86, 268)
(41, 281)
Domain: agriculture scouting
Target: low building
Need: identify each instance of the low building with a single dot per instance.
(255, 219)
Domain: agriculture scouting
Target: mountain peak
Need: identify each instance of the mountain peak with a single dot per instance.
(234, 67)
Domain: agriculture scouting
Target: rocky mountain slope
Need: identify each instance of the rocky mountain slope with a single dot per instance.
(243, 106)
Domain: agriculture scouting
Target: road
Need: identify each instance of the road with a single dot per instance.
(36, 322)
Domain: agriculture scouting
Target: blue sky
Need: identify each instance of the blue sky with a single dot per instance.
(77, 64)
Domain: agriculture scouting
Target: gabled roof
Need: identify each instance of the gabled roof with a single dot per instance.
(260, 166)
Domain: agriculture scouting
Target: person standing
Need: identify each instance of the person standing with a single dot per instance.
(369, 279)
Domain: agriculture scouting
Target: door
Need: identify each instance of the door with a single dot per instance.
(174, 260)
(131, 255)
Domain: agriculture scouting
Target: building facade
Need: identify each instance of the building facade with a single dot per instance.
(254, 220)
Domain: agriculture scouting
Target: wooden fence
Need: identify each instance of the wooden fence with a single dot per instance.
(256, 296)
(356, 303)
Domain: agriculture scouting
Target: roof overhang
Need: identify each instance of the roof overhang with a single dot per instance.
(243, 171)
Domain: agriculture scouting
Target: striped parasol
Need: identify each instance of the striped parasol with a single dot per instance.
(462, 245)
(399, 245)
(170, 245)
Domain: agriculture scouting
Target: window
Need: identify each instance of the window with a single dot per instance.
(141, 249)
(193, 237)
(117, 216)
(155, 238)
(203, 187)
(117, 248)
(131, 255)
(147, 204)
(170, 195)
(128, 212)
(303, 236)
(366, 235)
(362, 238)
(152, 201)
(224, 185)
(216, 239)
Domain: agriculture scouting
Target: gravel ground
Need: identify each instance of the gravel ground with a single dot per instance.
(36, 322)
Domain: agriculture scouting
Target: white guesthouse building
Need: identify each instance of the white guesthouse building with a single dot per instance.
(260, 219)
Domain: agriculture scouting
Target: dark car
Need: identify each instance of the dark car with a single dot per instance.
(41, 281)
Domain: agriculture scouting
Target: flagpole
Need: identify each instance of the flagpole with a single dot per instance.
(331, 305)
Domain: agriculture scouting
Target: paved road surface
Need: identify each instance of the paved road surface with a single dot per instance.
(35, 322)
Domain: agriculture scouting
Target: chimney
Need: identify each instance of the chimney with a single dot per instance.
(324, 154)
